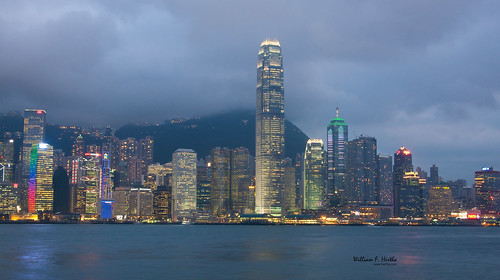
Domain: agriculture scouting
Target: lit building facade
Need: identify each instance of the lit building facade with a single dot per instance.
(361, 175)
(337, 137)
(402, 164)
(384, 180)
(220, 181)
(33, 133)
(439, 204)
(240, 179)
(184, 184)
(411, 196)
(290, 191)
(487, 186)
(9, 198)
(41, 192)
(7, 161)
(314, 175)
(203, 189)
(270, 129)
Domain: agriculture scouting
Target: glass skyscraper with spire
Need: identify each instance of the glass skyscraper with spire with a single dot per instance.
(270, 129)
(337, 136)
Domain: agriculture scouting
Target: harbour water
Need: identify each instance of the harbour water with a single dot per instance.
(83, 251)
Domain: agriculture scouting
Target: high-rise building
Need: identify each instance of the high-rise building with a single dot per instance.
(337, 136)
(184, 184)
(203, 189)
(7, 161)
(9, 202)
(90, 180)
(61, 191)
(270, 129)
(141, 203)
(402, 164)
(361, 167)
(41, 192)
(289, 192)
(240, 179)
(220, 181)
(487, 185)
(439, 202)
(33, 133)
(411, 197)
(384, 180)
(162, 203)
(434, 179)
(78, 147)
(314, 175)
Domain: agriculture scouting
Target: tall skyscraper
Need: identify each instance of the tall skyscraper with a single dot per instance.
(361, 165)
(220, 181)
(270, 129)
(290, 190)
(33, 133)
(184, 184)
(384, 180)
(411, 196)
(7, 161)
(434, 178)
(314, 174)
(337, 136)
(41, 192)
(487, 186)
(402, 164)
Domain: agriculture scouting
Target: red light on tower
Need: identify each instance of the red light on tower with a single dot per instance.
(39, 112)
(16, 185)
(406, 152)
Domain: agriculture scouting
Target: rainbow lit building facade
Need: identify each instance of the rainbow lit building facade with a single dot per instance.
(40, 190)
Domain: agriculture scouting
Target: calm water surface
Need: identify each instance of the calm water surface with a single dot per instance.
(246, 252)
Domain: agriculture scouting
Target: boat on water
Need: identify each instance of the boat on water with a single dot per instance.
(186, 222)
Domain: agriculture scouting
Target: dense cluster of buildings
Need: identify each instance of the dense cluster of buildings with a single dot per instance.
(344, 181)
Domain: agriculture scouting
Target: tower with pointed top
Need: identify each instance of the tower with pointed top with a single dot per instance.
(270, 129)
(337, 137)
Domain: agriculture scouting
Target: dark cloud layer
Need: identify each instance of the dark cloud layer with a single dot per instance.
(415, 73)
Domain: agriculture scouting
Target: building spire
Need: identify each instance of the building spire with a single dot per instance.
(337, 112)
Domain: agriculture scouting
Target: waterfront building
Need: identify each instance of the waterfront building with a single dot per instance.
(411, 196)
(402, 164)
(384, 180)
(270, 129)
(33, 133)
(487, 186)
(9, 203)
(41, 192)
(220, 181)
(361, 171)
(162, 203)
(184, 184)
(289, 192)
(439, 203)
(337, 137)
(314, 174)
(141, 203)
(61, 191)
(240, 179)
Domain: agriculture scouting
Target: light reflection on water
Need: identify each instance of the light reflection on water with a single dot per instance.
(243, 252)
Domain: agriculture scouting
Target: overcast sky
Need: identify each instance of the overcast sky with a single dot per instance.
(423, 74)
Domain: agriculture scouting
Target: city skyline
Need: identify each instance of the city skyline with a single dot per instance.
(417, 75)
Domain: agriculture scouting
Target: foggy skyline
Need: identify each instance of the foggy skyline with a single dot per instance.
(418, 74)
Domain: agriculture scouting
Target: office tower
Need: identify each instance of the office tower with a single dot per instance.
(184, 184)
(112, 145)
(299, 187)
(487, 185)
(289, 192)
(77, 189)
(9, 202)
(135, 169)
(220, 181)
(163, 173)
(203, 189)
(270, 129)
(402, 164)
(128, 149)
(411, 197)
(90, 180)
(78, 147)
(121, 196)
(439, 202)
(361, 171)
(61, 191)
(41, 192)
(141, 203)
(384, 180)
(434, 179)
(337, 137)
(106, 187)
(240, 179)
(162, 203)
(145, 152)
(33, 133)
(7, 161)
(314, 174)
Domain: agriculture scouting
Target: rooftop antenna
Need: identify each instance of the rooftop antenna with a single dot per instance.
(337, 111)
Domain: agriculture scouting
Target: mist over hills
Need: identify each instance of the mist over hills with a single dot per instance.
(231, 129)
